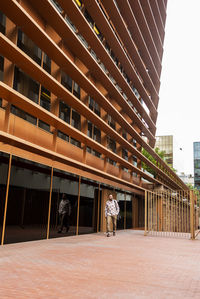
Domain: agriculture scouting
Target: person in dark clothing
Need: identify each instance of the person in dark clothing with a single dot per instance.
(64, 213)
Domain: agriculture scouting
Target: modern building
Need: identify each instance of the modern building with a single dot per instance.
(187, 178)
(196, 151)
(79, 94)
(165, 143)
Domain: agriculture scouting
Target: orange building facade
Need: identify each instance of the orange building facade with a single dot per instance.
(79, 93)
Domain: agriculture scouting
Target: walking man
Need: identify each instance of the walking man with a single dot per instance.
(111, 212)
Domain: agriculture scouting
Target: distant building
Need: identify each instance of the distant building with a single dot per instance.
(165, 143)
(196, 147)
(187, 178)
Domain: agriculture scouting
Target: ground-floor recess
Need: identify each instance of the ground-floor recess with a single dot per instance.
(30, 194)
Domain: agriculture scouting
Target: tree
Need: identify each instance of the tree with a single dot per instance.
(152, 159)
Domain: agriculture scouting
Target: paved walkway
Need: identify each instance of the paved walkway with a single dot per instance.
(93, 266)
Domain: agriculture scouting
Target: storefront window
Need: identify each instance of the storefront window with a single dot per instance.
(64, 185)
(28, 201)
(129, 221)
(121, 202)
(4, 162)
(88, 206)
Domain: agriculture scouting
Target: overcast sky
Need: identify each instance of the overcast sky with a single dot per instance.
(179, 105)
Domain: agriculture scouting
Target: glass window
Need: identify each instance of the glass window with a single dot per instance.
(76, 120)
(63, 136)
(28, 46)
(75, 142)
(1, 67)
(88, 206)
(25, 85)
(64, 185)
(76, 90)
(28, 201)
(111, 144)
(47, 63)
(124, 134)
(4, 162)
(2, 23)
(94, 106)
(111, 122)
(64, 112)
(88, 17)
(97, 135)
(89, 132)
(125, 154)
(129, 220)
(66, 81)
(121, 202)
(45, 99)
(44, 125)
(24, 115)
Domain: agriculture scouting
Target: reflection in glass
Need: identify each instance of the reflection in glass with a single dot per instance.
(88, 207)
(66, 184)
(28, 201)
(4, 161)
(121, 202)
(129, 221)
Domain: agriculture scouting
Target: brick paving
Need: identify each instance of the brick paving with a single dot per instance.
(93, 266)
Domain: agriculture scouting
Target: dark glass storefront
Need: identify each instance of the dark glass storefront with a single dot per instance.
(63, 183)
(27, 209)
(29, 205)
(4, 162)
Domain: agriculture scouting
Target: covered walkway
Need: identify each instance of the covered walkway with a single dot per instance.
(93, 266)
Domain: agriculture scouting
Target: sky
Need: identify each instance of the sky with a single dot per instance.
(179, 104)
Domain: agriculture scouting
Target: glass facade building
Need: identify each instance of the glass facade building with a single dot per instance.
(196, 151)
(165, 143)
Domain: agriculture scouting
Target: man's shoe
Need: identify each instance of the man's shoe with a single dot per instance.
(108, 235)
(114, 233)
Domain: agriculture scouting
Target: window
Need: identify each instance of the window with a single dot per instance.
(24, 115)
(124, 134)
(76, 120)
(125, 154)
(94, 106)
(76, 90)
(25, 85)
(89, 132)
(64, 112)
(111, 144)
(97, 135)
(47, 63)
(94, 132)
(66, 81)
(2, 23)
(63, 136)
(111, 122)
(134, 161)
(44, 125)
(28, 46)
(88, 17)
(93, 152)
(45, 98)
(75, 142)
(1, 67)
